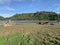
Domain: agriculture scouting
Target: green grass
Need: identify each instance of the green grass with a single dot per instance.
(30, 34)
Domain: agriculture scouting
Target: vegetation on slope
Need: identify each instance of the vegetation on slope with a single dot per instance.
(1, 18)
(43, 15)
(36, 16)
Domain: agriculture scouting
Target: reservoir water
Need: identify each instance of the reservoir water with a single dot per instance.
(26, 22)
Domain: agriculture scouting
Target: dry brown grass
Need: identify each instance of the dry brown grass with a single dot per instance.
(35, 34)
(29, 28)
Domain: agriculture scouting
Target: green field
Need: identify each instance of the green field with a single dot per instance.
(30, 34)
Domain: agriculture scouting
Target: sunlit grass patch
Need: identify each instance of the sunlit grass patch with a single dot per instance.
(30, 34)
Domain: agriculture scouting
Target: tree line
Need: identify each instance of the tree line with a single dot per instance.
(43, 15)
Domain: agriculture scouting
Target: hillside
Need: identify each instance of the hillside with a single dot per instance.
(43, 15)
(1, 18)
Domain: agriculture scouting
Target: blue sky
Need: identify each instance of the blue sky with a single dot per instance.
(11, 7)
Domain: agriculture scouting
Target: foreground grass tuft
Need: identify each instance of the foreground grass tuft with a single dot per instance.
(30, 34)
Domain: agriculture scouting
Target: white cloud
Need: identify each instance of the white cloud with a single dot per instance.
(8, 1)
(9, 9)
(6, 15)
(4, 1)
(19, 0)
(55, 8)
(33, 0)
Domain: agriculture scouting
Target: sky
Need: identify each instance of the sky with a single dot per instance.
(10, 7)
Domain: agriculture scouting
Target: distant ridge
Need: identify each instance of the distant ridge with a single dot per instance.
(43, 15)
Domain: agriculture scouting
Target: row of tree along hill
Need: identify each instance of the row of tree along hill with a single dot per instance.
(43, 15)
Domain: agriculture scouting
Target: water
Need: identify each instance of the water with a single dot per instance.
(26, 22)
(19, 22)
(2, 22)
(54, 22)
